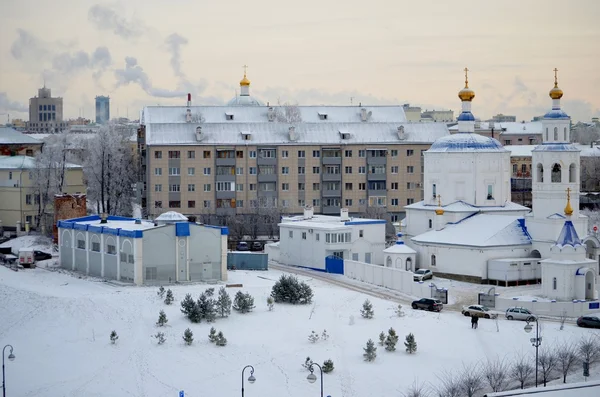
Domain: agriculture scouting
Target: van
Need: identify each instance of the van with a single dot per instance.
(26, 257)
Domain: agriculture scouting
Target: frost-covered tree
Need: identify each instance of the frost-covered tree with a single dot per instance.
(410, 343)
(169, 298)
(328, 366)
(589, 349)
(381, 338)
(307, 363)
(212, 335)
(188, 336)
(566, 356)
(313, 337)
(585, 134)
(221, 340)
(370, 351)
(243, 302)
(522, 370)
(289, 290)
(449, 385)
(187, 304)
(207, 307)
(223, 304)
(590, 173)
(398, 310)
(288, 113)
(162, 319)
(161, 292)
(367, 309)
(390, 340)
(160, 336)
(417, 390)
(210, 291)
(471, 380)
(113, 337)
(496, 374)
(270, 303)
(593, 218)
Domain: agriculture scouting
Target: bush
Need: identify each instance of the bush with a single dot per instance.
(391, 340)
(187, 305)
(161, 337)
(162, 319)
(328, 366)
(169, 298)
(243, 302)
(188, 336)
(307, 363)
(410, 343)
(212, 336)
(289, 289)
(113, 337)
(161, 292)
(370, 351)
(313, 337)
(270, 303)
(223, 303)
(221, 340)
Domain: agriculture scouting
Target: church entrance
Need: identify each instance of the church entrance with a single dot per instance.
(590, 285)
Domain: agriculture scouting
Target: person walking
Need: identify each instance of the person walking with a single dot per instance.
(476, 321)
(473, 322)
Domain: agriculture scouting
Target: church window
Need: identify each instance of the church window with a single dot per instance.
(408, 264)
(565, 134)
(572, 173)
(540, 173)
(434, 190)
(556, 173)
(515, 168)
(432, 260)
(554, 283)
(490, 192)
(555, 134)
(430, 223)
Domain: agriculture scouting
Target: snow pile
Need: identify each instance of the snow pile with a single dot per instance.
(37, 243)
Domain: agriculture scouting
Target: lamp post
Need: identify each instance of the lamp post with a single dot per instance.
(251, 378)
(11, 357)
(312, 378)
(535, 342)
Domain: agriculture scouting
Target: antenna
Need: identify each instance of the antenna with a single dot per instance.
(351, 98)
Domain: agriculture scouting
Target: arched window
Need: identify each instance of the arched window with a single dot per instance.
(432, 260)
(434, 190)
(556, 173)
(398, 263)
(565, 135)
(572, 173)
(554, 283)
(540, 173)
(555, 134)
(409, 264)
(430, 223)
(388, 262)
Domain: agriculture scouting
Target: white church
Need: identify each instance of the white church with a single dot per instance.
(467, 228)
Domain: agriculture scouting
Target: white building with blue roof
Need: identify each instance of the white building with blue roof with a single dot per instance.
(170, 249)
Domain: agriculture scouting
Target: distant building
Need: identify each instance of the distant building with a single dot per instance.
(102, 109)
(46, 113)
(13, 142)
(503, 118)
(508, 133)
(438, 116)
(413, 113)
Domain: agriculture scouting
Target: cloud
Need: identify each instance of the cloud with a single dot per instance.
(134, 73)
(28, 47)
(174, 43)
(105, 18)
(6, 105)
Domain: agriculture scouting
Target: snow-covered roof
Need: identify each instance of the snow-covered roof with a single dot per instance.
(326, 222)
(466, 142)
(171, 216)
(568, 235)
(123, 224)
(461, 206)
(10, 136)
(520, 150)
(307, 133)
(23, 163)
(245, 100)
(481, 230)
(556, 147)
(511, 127)
(590, 152)
(399, 248)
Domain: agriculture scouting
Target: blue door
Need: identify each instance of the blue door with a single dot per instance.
(334, 264)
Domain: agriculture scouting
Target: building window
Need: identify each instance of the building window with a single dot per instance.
(81, 244)
(348, 186)
(490, 192)
(555, 134)
(303, 235)
(191, 171)
(316, 170)
(556, 173)
(174, 204)
(191, 154)
(268, 153)
(301, 170)
(111, 249)
(285, 203)
(316, 236)
(207, 171)
(10, 175)
(28, 199)
(206, 203)
(433, 260)
(239, 187)
(410, 201)
(191, 187)
(158, 204)
(285, 154)
(361, 233)
(206, 154)
(285, 187)
(191, 204)
(95, 246)
(348, 202)
(572, 173)
(540, 172)
(316, 187)
(207, 187)
(565, 135)
(347, 153)
(348, 170)
(239, 154)
(301, 186)
(252, 187)
(157, 171)
(158, 154)
(316, 202)
(239, 204)
(173, 171)
(252, 154)
(362, 153)
(394, 153)
(291, 234)
(434, 189)
(394, 186)
(362, 186)
(409, 152)
(394, 169)
(515, 168)
(394, 201)
(174, 188)
(174, 154)
(158, 187)
(362, 169)
(430, 223)
(301, 154)
(410, 169)
(554, 283)
(507, 142)
(301, 203)
(316, 153)
(285, 170)
(524, 169)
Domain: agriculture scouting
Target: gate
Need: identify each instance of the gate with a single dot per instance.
(334, 264)
(439, 293)
(487, 299)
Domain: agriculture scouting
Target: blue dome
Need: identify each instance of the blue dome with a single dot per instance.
(556, 114)
(556, 147)
(466, 142)
(466, 116)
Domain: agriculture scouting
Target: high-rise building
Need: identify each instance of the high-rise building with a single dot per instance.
(102, 109)
(46, 113)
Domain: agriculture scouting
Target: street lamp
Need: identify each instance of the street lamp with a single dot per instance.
(11, 357)
(251, 378)
(535, 342)
(312, 378)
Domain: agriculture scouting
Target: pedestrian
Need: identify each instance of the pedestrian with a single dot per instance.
(473, 322)
(476, 319)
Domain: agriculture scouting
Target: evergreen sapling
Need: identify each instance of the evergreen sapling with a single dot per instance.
(324, 335)
(221, 340)
(160, 336)
(370, 351)
(161, 292)
(113, 337)
(410, 343)
(188, 336)
(207, 308)
(210, 291)
(162, 319)
(381, 338)
(313, 337)
(367, 310)
(243, 302)
(223, 304)
(399, 312)
(391, 340)
(187, 305)
(328, 366)
(212, 336)
(169, 298)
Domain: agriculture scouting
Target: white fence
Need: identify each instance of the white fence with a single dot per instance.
(574, 308)
(395, 279)
(272, 249)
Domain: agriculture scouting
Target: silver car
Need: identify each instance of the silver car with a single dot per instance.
(519, 313)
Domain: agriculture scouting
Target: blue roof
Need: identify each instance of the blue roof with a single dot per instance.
(556, 147)
(466, 116)
(568, 235)
(467, 142)
(556, 114)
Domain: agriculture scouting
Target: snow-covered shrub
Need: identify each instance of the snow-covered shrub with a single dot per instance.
(160, 336)
(162, 319)
(243, 302)
(307, 363)
(270, 303)
(289, 289)
(390, 340)
(188, 336)
(221, 340)
(367, 309)
(161, 292)
(324, 335)
(328, 366)
(169, 298)
(113, 337)
(370, 351)
(212, 336)
(313, 337)
(223, 303)
(410, 343)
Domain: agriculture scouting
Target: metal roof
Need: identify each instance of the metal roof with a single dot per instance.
(467, 142)
(10, 136)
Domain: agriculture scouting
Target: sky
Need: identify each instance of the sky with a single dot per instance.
(307, 52)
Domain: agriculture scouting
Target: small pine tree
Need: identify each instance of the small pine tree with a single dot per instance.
(207, 307)
(161, 292)
(210, 291)
(381, 338)
(270, 303)
(289, 289)
(410, 343)
(243, 302)
(307, 363)
(188, 336)
(161, 337)
(223, 303)
(113, 337)
(162, 319)
(169, 298)
(313, 337)
(212, 336)
(324, 335)
(399, 312)
(187, 304)
(391, 340)
(328, 366)
(370, 351)
(367, 310)
(221, 340)
(195, 315)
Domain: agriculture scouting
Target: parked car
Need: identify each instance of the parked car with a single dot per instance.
(242, 246)
(428, 304)
(519, 313)
(588, 322)
(256, 246)
(478, 311)
(422, 275)
(41, 256)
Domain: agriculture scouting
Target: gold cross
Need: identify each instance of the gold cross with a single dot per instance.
(245, 69)
(555, 77)
(439, 200)
(466, 77)
(568, 193)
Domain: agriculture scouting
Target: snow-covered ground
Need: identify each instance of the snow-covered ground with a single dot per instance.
(59, 326)
(36, 242)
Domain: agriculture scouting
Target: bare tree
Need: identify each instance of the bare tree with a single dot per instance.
(547, 361)
(522, 370)
(471, 380)
(585, 134)
(593, 218)
(496, 374)
(589, 349)
(288, 113)
(567, 356)
(590, 173)
(237, 224)
(449, 386)
(416, 390)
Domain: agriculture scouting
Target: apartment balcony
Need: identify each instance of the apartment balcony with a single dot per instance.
(331, 160)
(227, 161)
(376, 177)
(226, 194)
(225, 178)
(267, 178)
(266, 161)
(377, 192)
(376, 160)
(331, 193)
(267, 193)
(331, 209)
(331, 177)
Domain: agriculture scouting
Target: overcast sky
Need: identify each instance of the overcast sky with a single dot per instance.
(148, 52)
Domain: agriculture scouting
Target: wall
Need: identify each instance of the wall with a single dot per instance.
(396, 279)
(307, 253)
(248, 261)
(548, 308)
(272, 250)
(204, 253)
(68, 206)
(159, 251)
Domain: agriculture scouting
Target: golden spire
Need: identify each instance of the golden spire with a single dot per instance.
(439, 210)
(466, 94)
(568, 209)
(245, 81)
(555, 93)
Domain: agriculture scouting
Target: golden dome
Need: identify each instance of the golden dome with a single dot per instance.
(244, 81)
(466, 94)
(568, 208)
(439, 210)
(555, 93)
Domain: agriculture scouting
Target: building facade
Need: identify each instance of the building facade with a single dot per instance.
(246, 157)
(503, 118)
(102, 109)
(142, 252)
(46, 113)
(15, 143)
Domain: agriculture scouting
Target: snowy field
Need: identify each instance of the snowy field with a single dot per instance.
(59, 326)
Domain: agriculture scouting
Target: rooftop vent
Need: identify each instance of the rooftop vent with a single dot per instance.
(293, 135)
(344, 215)
(199, 133)
(322, 116)
(228, 116)
(344, 135)
(104, 218)
(308, 212)
(246, 136)
(188, 116)
(138, 221)
(364, 115)
(401, 133)
(271, 114)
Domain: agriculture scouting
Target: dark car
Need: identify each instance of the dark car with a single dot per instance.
(588, 322)
(256, 246)
(242, 246)
(428, 304)
(41, 256)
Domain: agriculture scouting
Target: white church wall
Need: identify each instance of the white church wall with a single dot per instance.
(514, 269)
(272, 251)
(564, 287)
(553, 308)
